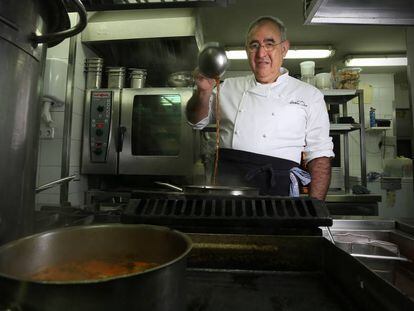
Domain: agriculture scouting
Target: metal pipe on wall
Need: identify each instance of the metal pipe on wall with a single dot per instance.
(67, 125)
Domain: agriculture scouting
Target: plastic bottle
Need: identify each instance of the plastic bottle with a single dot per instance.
(372, 117)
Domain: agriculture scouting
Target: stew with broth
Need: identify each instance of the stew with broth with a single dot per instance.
(91, 270)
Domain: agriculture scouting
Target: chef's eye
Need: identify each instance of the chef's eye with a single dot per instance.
(254, 46)
(267, 45)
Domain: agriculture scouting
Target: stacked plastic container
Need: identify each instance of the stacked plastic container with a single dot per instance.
(307, 71)
(93, 70)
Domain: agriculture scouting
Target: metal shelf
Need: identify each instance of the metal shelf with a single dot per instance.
(339, 96)
(377, 128)
(342, 96)
(343, 128)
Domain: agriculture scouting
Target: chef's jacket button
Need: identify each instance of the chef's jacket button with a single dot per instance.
(264, 135)
(273, 113)
(240, 110)
(236, 132)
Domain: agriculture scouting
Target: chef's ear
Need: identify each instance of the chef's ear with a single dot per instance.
(285, 47)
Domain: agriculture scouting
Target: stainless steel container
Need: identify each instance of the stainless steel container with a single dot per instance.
(116, 77)
(93, 70)
(137, 78)
(21, 62)
(160, 288)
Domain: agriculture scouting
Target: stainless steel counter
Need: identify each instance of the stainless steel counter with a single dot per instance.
(347, 198)
(386, 247)
(353, 204)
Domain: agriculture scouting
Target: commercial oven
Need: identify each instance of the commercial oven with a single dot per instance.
(138, 132)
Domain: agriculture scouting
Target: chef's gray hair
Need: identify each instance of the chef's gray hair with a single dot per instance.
(264, 19)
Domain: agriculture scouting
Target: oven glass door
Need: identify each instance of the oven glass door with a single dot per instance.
(157, 139)
(156, 125)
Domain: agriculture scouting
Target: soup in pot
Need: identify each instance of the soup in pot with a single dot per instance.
(93, 269)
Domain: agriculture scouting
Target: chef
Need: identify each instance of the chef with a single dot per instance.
(268, 120)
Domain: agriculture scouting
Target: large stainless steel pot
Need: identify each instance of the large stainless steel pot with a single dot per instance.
(156, 289)
(27, 27)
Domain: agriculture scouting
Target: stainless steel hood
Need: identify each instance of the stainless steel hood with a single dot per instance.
(160, 40)
(384, 12)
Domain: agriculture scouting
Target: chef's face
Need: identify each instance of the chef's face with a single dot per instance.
(266, 51)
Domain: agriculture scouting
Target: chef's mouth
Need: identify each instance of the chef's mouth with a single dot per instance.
(262, 62)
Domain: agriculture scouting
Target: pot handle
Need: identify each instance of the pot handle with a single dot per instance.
(56, 36)
(169, 186)
(53, 184)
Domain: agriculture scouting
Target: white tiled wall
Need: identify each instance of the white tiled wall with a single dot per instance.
(50, 151)
(383, 101)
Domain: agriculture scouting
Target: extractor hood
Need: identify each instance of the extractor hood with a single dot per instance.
(162, 41)
(374, 12)
(141, 24)
(104, 5)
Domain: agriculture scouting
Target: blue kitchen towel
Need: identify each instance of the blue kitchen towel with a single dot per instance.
(296, 173)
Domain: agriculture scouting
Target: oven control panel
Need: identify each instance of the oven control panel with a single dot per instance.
(100, 124)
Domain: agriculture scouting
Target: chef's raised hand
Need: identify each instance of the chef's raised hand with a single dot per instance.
(203, 83)
(198, 105)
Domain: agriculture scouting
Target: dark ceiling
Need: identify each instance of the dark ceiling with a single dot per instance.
(228, 25)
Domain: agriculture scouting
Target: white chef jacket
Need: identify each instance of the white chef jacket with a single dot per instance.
(279, 119)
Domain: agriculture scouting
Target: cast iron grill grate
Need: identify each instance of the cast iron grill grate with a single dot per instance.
(228, 211)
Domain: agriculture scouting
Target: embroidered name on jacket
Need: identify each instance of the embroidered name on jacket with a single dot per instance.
(298, 102)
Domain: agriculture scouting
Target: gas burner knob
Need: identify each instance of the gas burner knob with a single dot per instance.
(100, 108)
(99, 132)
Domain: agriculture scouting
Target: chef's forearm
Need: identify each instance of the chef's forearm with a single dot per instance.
(320, 171)
(198, 106)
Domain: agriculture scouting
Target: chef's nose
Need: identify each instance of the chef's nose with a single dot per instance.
(261, 51)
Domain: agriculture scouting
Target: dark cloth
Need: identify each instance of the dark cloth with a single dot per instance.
(241, 168)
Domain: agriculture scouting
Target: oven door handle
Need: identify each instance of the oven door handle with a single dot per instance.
(121, 135)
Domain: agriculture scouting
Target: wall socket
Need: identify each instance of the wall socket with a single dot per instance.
(47, 133)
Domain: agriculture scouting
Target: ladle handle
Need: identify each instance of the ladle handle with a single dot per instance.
(169, 186)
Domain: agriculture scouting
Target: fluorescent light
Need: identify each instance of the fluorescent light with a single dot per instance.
(311, 53)
(236, 54)
(375, 61)
(292, 54)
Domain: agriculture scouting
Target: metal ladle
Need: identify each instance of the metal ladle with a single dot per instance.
(212, 61)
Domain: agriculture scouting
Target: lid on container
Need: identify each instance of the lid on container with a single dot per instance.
(93, 59)
(137, 71)
(115, 69)
(350, 70)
